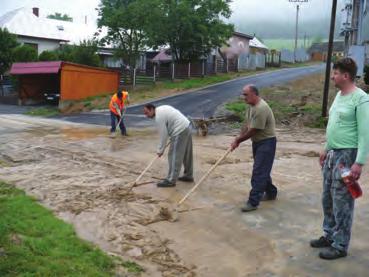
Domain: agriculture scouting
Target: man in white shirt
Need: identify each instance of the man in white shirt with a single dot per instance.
(173, 124)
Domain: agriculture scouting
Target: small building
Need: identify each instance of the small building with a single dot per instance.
(238, 44)
(319, 51)
(71, 81)
(256, 46)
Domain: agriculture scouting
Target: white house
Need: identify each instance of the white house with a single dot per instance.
(40, 33)
(48, 34)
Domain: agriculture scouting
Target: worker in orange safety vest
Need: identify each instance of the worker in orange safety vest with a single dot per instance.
(117, 108)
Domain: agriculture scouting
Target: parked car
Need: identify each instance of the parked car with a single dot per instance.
(52, 96)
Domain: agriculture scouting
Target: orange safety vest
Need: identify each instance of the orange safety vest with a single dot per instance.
(119, 102)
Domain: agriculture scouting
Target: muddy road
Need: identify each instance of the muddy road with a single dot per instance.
(82, 175)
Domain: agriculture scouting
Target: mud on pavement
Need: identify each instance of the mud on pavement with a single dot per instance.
(83, 176)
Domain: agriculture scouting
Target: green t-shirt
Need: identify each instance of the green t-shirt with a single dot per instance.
(261, 117)
(348, 124)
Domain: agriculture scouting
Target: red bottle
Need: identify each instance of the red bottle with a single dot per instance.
(352, 185)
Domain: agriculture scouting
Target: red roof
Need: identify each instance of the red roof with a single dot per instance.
(35, 68)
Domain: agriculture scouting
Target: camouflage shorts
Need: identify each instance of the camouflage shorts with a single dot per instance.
(338, 204)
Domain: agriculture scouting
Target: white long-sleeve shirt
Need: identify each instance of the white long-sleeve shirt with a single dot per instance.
(170, 123)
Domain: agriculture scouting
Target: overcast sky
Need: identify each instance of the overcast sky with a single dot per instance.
(279, 10)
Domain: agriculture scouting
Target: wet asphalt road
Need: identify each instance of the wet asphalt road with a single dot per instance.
(201, 102)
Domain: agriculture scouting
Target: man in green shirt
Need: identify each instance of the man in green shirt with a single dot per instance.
(260, 127)
(347, 146)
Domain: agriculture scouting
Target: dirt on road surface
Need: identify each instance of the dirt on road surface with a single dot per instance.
(83, 176)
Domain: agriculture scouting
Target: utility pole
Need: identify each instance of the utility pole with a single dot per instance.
(297, 22)
(329, 59)
(347, 27)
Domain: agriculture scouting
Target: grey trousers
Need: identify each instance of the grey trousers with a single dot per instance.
(180, 151)
(338, 204)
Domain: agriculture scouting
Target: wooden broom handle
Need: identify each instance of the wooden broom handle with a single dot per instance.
(204, 177)
(147, 167)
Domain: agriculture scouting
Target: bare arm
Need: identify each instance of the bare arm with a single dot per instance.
(245, 135)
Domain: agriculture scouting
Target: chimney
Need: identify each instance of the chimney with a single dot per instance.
(35, 11)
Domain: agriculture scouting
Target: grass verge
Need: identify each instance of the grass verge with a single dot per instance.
(299, 101)
(43, 111)
(35, 243)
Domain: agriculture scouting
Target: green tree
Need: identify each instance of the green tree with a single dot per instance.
(48, 56)
(65, 53)
(8, 42)
(85, 53)
(126, 21)
(59, 16)
(25, 53)
(192, 28)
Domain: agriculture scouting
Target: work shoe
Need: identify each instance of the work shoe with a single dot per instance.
(112, 134)
(320, 242)
(266, 197)
(185, 179)
(332, 253)
(165, 184)
(248, 208)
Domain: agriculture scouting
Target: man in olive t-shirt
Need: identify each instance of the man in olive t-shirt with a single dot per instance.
(260, 127)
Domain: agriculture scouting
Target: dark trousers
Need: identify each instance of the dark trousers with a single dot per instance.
(261, 182)
(114, 120)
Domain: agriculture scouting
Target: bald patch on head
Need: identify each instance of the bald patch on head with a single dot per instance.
(253, 89)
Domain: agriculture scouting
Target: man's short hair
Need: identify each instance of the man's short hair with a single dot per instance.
(254, 89)
(150, 106)
(346, 65)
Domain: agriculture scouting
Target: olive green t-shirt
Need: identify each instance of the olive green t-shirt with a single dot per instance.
(260, 117)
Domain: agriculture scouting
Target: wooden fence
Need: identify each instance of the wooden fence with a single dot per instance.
(172, 71)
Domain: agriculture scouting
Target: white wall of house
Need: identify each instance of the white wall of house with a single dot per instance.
(112, 62)
(42, 44)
